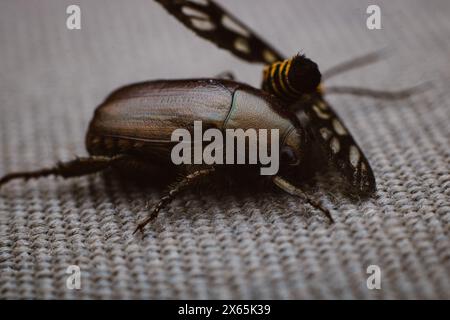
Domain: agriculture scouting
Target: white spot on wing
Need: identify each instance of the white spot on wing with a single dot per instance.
(269, 56)
(335, 145)
(193, 13)
(241, 44)
(363, 168)
(234, 26)
(325, 133)
(204, 25)
(322, 105)
(339, 128)
(200, 2)
(354, 156)
(199, 20)
(321, 114)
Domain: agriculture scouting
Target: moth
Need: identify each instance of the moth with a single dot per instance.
(131, 129)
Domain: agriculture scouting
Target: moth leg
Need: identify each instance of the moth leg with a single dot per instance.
(293, 190)
(378, 94)
(179, 186)
(227, 75)
(77, 167)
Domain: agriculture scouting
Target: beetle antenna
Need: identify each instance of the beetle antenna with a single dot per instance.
(288, 187)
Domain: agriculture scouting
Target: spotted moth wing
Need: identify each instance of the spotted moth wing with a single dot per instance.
(210, 21)
(339, 146)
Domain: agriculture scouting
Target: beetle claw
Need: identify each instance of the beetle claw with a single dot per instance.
(140, 227)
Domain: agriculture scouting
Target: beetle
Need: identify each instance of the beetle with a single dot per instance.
(132, 127)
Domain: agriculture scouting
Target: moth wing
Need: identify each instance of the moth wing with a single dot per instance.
(340, 146)
(210, 21)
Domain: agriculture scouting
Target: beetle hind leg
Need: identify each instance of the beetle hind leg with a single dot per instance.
(174, 190)
(77, 167)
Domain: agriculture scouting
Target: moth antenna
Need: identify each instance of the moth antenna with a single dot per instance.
(379, 94)
(355, 63)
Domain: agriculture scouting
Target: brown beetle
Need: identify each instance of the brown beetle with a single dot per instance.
(132, 128)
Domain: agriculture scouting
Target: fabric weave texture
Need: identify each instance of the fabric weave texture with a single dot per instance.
(240, 243)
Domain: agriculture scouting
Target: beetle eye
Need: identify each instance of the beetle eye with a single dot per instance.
(288, 156)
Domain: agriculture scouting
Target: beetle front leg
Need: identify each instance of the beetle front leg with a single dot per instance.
(291, 189)
(77, 167)
(175, 189)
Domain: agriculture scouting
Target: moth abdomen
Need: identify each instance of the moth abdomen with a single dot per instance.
(291, 78)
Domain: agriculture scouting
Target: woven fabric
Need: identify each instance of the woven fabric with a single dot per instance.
(239, 243)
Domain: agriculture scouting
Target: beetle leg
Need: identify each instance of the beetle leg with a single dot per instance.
(77, 167)
(227, 75)
(175, 189)
(291, 189)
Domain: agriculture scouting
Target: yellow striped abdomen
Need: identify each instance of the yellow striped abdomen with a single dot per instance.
(291, 78)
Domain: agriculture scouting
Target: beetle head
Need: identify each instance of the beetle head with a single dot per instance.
(293, 151)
